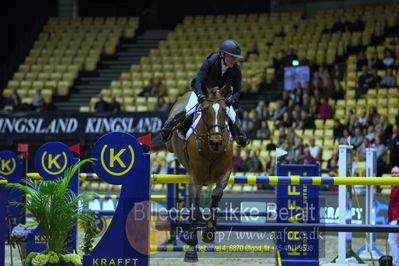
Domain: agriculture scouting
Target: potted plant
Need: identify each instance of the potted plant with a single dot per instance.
(56, 208)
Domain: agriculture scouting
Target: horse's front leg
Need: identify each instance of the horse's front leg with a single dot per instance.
(209, 232)
(195, 216)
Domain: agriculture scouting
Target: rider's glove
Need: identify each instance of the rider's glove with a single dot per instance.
(229, 101)
(201, 98)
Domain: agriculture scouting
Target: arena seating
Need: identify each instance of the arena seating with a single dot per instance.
(65, 47)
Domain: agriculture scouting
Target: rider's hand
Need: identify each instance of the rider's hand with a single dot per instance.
(229, 101)
(201, 98)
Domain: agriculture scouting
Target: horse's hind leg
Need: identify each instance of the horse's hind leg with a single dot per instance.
(195, 215)
(209, 232)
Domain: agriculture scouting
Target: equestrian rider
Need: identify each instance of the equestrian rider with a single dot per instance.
(219, 69)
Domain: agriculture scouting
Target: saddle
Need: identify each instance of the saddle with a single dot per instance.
(185, 125)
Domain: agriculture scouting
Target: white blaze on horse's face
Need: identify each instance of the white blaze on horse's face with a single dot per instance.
(216, 107)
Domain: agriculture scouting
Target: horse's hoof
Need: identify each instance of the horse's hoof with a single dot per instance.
(208, 235)
(191, 256)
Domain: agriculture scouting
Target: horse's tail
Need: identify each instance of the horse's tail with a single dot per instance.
(157, 143)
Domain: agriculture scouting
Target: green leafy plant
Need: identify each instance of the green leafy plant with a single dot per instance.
(56, 209)
(88, 223)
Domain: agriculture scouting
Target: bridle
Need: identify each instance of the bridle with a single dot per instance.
(208, 134)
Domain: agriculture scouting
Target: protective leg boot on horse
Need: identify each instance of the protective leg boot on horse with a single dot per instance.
(239, 134)
(170, 124)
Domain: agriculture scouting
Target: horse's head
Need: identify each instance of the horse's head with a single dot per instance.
(214, 117)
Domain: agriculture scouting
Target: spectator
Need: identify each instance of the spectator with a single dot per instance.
(362, 119)
(388, 60)
(306, 158)
(282, 136)
(381, 156)
(278, 113)
(250, 129)
(278, 64)
(14, 100)
(264, 131)
(252, 163)
(361, 61)
(114, 105)
(393, 146)
(365, 81)
(291, 106)
(286, 121)
(325, 110)
(389, 80)
(361, 150)
(358, 137)
(370, 133)
(338, 129)
(317, 82)
(314, 149)
(147, 89)
(164, 168)
(376, 81)
(313, 107)
(307, 88)
(245, 118)
(38, 101)
(296, 119)
(337, 74)
(375, 62)
(262, 111)
(237, 161)
(285, 98)
(101, 105)
(162, 105)
(345, 135)
(308, 120)
(334, 156)
(374, 116)
(352, 123)
(393, 213)
(385, 127)
(332, 167)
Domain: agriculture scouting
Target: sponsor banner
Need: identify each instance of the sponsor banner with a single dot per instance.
(69, 125)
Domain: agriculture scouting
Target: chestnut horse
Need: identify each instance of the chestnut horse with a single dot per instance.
(207, 156)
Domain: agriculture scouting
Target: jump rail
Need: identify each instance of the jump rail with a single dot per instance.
(287, 180)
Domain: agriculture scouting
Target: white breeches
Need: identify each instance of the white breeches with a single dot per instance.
(193, 101)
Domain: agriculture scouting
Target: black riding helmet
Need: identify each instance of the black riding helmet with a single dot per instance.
(232, 48)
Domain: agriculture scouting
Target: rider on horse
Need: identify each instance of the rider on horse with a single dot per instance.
(219, 69)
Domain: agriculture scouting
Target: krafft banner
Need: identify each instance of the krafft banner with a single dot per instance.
(72, 125)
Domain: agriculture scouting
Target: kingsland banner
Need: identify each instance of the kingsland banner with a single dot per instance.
(74, 125)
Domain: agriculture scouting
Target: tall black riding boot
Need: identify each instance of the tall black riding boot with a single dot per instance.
(170, 124)
(240, 135)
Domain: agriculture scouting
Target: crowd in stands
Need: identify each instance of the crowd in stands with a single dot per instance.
(370, 67)
(102, 105)
(14, 103)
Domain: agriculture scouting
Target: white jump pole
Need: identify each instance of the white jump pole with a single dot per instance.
(344, 202)
(369, 248)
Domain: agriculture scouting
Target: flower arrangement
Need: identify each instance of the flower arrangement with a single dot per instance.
(56, 208)
(51, 258)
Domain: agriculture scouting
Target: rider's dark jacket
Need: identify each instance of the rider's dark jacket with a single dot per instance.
(210, 75)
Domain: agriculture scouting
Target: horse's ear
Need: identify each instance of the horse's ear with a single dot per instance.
(206, 91)
(223, 91)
